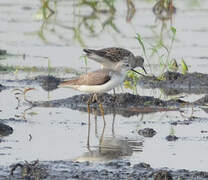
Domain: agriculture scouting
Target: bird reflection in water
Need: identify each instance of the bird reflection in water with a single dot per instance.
(109, 148)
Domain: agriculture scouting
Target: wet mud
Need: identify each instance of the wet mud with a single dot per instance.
(29, 170)
(171, 138)
(2, 87)
(147, 132)
(48, 83)
(173, 83)
(119, 169)
(2, 53)
(5, 130)
(125, 104)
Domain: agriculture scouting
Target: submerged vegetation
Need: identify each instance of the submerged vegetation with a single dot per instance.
(82, 22)
(45, 10)
(103, 6)
(164, 9)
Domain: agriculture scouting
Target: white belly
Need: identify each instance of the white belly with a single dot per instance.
(114, 82)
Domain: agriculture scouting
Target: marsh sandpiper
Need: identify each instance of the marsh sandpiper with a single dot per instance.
(109, 57)
(99, 81)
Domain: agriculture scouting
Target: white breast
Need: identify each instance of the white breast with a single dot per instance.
(112, 83)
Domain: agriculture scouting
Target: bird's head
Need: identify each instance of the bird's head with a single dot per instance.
(138, 62)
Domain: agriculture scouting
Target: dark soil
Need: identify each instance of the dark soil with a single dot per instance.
(3, 52)
(147, 132)
(5, 130)
(125, 104)
(120, 100)
(171, 82)
(2, 87)
(175, 83)
(171, 138)
(57, 170)
(48, 83)
(29, 170)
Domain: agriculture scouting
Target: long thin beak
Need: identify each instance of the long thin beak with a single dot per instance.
(144, 70)
(138, 72)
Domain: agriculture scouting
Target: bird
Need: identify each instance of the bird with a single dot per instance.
(109, 57)
(99, 81)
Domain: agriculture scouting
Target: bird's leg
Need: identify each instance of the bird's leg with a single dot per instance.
(88, 110)
(104, 123)
(88, 105)
(100, 106)
(95, 113)
(114, 94)
(102, 112)
(88, 135)
(113, 123)
(101, 138)
(94, 98)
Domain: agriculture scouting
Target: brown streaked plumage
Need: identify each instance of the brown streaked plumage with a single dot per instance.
(109, 57)
(114, 54)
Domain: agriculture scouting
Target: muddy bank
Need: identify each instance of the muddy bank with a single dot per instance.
(2, 87)
(170, 82)
(5, 130)
(121, 100)
(147, 132)
(2, 52)
(48, 83)
(110, 170)
(175, 83)
(125, 104)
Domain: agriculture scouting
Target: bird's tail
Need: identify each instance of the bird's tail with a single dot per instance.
(92, 54)
(88, 51)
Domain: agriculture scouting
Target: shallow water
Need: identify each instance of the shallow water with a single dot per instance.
(61, 133)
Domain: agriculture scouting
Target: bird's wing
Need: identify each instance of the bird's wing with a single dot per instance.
(113, 53)
(98, 77)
